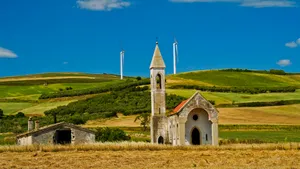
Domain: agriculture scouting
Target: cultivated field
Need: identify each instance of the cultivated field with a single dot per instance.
(227, 98)
(141, 155)
(224, 78)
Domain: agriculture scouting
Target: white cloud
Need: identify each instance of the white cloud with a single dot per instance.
(65, 63)
(284, 62)
(249, 3)
(268, 3)
(298, 41)
(291, 44)
(102, 5)
(5, 53)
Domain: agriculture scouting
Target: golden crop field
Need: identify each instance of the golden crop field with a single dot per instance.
(142, 155)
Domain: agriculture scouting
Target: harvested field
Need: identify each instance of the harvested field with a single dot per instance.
(134, 155)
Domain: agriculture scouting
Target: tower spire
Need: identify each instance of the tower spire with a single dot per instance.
(157, 60)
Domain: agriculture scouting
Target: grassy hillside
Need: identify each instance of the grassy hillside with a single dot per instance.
(30, 87)
(238, 79)
(228, 98)
(277, 115)
(33, 92)
(13, 88)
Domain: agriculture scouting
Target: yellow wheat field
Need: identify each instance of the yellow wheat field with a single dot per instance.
(143, 155)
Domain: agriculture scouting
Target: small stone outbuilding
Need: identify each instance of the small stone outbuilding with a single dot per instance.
(59, 133)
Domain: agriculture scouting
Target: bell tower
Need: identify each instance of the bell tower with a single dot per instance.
(158, 98)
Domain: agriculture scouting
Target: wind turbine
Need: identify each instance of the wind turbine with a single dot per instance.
(122, 54)
(175, 54)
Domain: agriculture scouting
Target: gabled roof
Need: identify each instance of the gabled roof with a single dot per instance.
(183, 104)
(178, 107)
(157, 60)
(54, 127)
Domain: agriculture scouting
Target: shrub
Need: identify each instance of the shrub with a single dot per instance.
(1, 114)
(110, 134)
(212, 102)
(20, 114)
(77, 119)
(69, 88)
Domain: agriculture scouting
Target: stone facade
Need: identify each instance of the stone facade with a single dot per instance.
(158, 106)
(48, 135)
(193, 122)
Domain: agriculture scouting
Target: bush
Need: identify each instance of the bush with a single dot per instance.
(20, 115)
(212, 102)
(110, 134)
(69, 88)
(138, 78)
(77, 119)
(1, 114)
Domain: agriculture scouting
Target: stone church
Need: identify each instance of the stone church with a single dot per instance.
(192, 122)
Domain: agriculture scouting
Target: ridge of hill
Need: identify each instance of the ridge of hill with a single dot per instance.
(224, 78)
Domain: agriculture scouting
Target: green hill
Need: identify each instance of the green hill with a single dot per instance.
(21, 93)
(30, 87)
(234, 79)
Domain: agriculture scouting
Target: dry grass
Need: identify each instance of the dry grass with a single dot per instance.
(142, 155)
(261, 115)
(120, 121)
(279, 115)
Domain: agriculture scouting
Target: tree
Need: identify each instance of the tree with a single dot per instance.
(1, 114)
(20, 114)
(138, 78)
(145, 120)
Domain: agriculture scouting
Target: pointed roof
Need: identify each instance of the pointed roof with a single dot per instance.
(157, 60)
(54, 127)
(184, 103)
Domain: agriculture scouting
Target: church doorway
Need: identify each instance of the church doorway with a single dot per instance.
(195, 137)
(160, 140)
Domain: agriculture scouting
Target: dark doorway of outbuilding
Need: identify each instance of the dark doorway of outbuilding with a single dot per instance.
(160, 140)
(63, 136)
(195, 137)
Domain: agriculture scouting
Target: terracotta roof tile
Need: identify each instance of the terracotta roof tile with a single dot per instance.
(177, 108)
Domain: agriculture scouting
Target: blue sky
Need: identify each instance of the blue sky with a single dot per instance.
(86, 35)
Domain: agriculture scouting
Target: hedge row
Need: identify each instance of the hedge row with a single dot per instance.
(107, 88)
(52, 81)
(274, 103)
(261, 104)
(271, 71)
(250, 90)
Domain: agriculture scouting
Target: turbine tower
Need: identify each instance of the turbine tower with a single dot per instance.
(122, 54)
(175, 54)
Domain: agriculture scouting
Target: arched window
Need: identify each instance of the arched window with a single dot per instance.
(158, 81)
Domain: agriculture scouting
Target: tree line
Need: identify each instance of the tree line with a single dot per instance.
(271, 71)
(250, 90)
(111, 87)
(134, 100)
